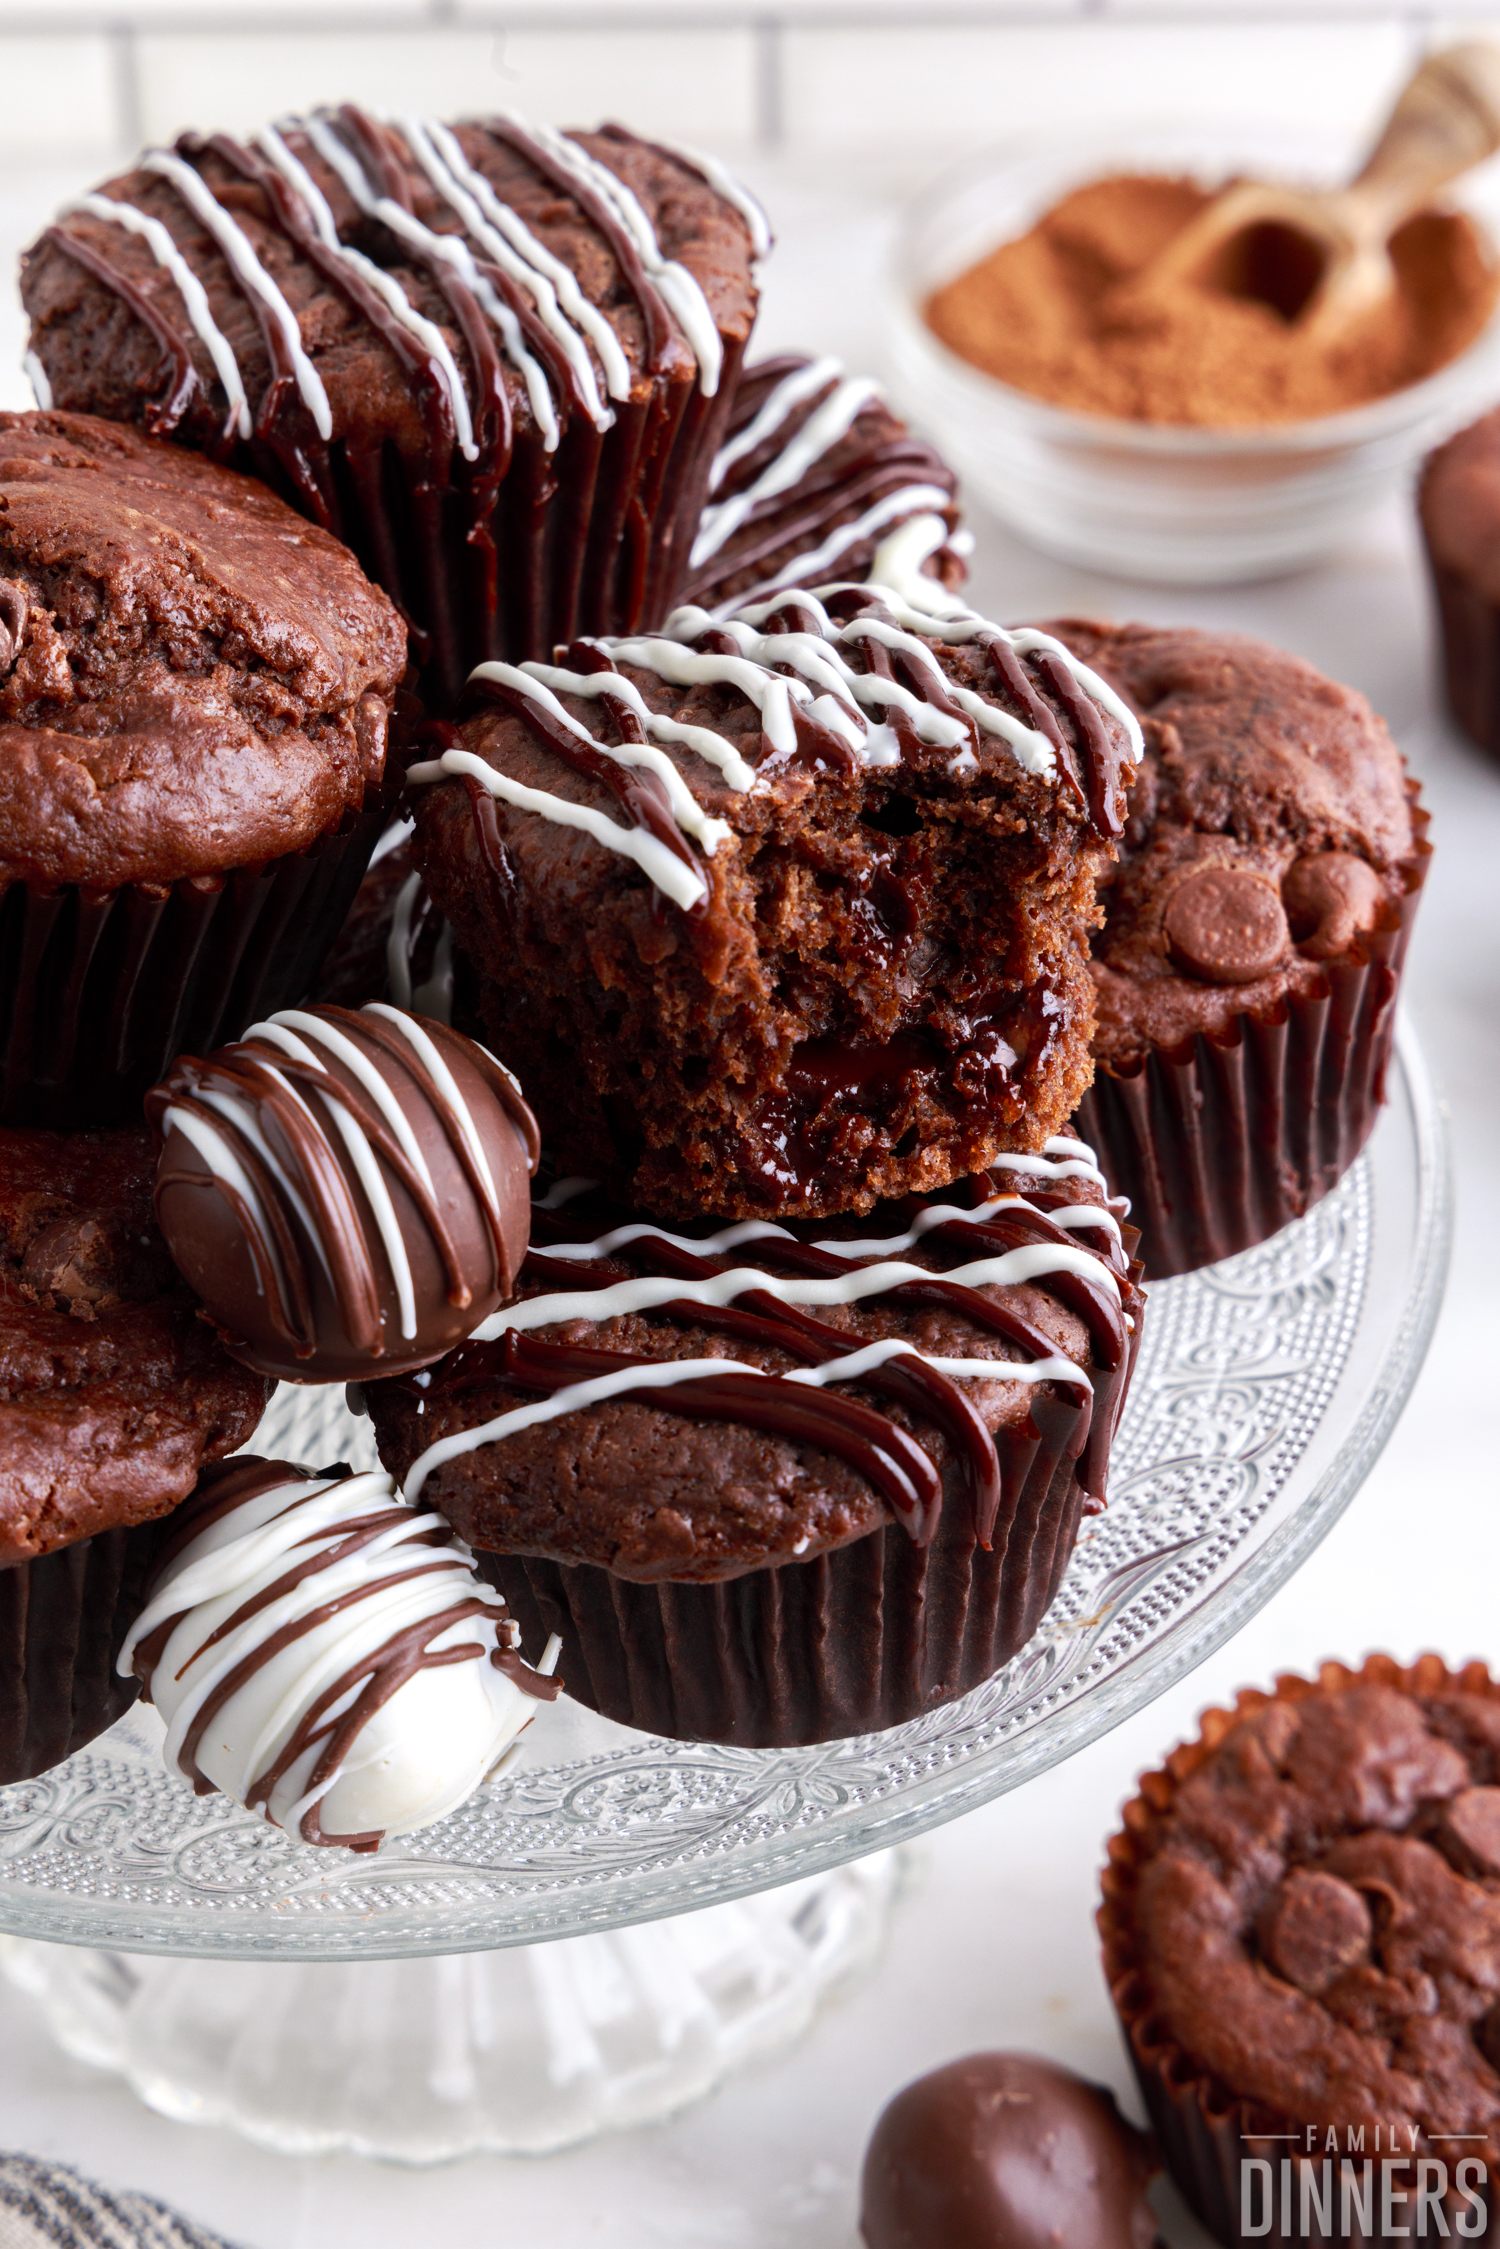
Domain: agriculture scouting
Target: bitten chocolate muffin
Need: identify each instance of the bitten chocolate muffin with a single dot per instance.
(495, 359)
(814, 475)
(113, 1394)
(1253, 937)
(1458, 507)
(789, 912)
(1301, 1930)
(775, 1485)
(194, 695)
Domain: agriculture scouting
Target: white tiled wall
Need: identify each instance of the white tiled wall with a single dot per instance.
(86, 78)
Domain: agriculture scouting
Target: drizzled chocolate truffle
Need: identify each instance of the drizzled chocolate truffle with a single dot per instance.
(1006, 2151)
(324, 1654)
(347, 1191)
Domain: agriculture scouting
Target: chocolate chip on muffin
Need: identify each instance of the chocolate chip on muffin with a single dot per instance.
(1252, 941)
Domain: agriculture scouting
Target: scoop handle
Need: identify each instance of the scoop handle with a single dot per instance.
(1446, 120)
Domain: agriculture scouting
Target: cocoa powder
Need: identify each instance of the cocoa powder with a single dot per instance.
(1048, 314)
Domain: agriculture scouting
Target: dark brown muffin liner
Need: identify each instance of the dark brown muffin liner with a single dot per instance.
(593, 537)
(63, 1620)
(1469, 640)
(871, 1635)
(1206, 2130)
(99, 990)
(1221, 1143)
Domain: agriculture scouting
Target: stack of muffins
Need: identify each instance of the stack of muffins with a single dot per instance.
(768, 867)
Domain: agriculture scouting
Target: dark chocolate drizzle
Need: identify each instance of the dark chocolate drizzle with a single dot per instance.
(551, 528)
(825, 496)
(803, 1413)
(258, 1072)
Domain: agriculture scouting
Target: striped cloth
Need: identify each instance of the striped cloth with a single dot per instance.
(48, 2206)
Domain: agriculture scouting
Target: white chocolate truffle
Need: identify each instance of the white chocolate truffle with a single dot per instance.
(325, 1654)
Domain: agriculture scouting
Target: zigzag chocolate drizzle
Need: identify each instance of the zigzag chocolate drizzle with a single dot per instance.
(773, 480)
(509, 300)
(638, 1268)
(841, 681)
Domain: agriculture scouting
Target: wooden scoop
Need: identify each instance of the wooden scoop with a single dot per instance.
(1320, 257)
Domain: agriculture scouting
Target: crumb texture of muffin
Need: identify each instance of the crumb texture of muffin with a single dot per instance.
(787, 912)
(773, 1484)
(1253, 935)
(494, 359)
(1301, 1924)
(113, 1393)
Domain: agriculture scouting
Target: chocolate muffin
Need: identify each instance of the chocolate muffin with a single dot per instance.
(194, 696)
(786, 913)
(496, 360)
(1253, 937)
(1458, 507)
(113, 1394)
(1301, 1929)
(814, 475)
(779, 1484)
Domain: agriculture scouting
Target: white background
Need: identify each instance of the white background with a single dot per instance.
(995, 1943)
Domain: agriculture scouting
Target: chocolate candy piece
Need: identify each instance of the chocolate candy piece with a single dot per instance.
(1006, 2151)
(1226, 925)
(346, 1191)
(1329, 898)
(1315, 1926)
(1470, 1831)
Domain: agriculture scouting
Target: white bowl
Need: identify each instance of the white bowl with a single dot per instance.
(1183, 505)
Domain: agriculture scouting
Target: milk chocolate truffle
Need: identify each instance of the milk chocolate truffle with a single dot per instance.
(348, 1192)
(1006, 2151)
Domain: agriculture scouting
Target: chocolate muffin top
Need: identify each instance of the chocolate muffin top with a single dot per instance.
(113, 1393)
(867, 1368)
(1270, 826)
(191, 677)
(814, 474)
(1315, 1914)
(1459, 504)
(114, 329)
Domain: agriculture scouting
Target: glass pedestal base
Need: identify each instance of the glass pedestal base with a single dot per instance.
(516, 2052)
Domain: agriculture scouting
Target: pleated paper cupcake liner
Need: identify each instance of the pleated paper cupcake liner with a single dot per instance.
(1221, 1143)
(63, 1620)
(871, 1635)
(593, 537)
(1207, 2133)
(100, 990)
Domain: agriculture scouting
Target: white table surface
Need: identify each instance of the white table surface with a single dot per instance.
(994, 1945)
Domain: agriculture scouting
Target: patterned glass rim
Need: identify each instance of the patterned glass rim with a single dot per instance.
(109, 1850)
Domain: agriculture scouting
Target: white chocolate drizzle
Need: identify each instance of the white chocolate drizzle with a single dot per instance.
(670, 1280)
(855, 706)
(191, 290)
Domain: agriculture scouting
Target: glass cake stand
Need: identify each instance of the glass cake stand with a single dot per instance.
(1266, 1388)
